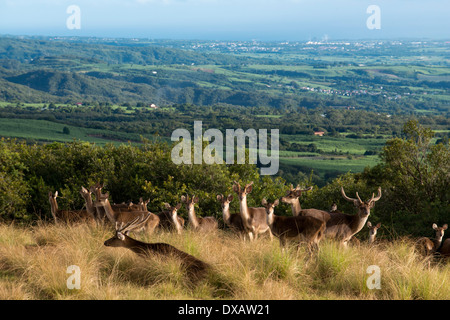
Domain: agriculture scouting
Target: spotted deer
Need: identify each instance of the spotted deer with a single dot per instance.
(427, 246)
(373, 231)
(126, 215)
(254, 219)
(201, 224)
(342, 226)
(299, 229)
(169, 219)
(194, 267)
(67, 216)
(292, 198)
(232, 220)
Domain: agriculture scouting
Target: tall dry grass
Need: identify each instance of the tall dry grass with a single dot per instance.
(34, 261)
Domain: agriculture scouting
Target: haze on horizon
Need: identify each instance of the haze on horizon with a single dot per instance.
(266, 20)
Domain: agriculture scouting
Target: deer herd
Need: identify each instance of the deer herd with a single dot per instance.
(305, 226)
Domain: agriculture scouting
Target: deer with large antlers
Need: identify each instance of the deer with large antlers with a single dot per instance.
(292, 198)
(427, 246)
(300, 228)
(202, 224)
(343, 227)
(195, 267)
(254, 219)
(169, 219)
(67, 215)
(232, 220)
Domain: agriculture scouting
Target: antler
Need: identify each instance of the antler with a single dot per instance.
(350, 199)
(133, 224)
(373, 199)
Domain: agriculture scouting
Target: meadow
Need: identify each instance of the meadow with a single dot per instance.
(34, 261)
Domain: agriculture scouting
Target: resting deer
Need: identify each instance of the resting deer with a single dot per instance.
(426, 246)
(169, 219)
(119, 216)
(292, 198)
(232, 220)
(206, 224)
(195, 267)
(343, 227)
(254, 219)
(373, 231)
(300, 228)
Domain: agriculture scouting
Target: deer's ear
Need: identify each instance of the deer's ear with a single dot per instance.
(434, 226)
(219, 197)
(249, 188)
(120, 236)
(195, 199)
(369, 224)
(178, 206)
(183, 199)
(230, 197)
(166, 205)
(277, 202)
(236, 188)
(264, 202)
(444, 227)
(378, 225)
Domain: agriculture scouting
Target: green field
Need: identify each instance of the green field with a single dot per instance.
(43, 130)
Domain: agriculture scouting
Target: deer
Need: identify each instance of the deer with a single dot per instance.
(194, 267)
(90, 208)
(122, 207)
(299, 228)
(342, 226)
(124, 216)
(372, 231)
(232, 220)
(292, 198)
(66, 215)
(444, 250)
(427, 246)
(254, 219)
(169, 220)
(205, 224)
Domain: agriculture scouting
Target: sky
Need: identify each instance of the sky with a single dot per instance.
(265, 20)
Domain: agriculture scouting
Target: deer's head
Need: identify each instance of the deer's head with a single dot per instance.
(242, 192)
(439, 231)
(363, 206)
(172, 210)
(189, 202)
(294, 193)
(373, 229)
(270, 208)
(224, 201)
(120, 237)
